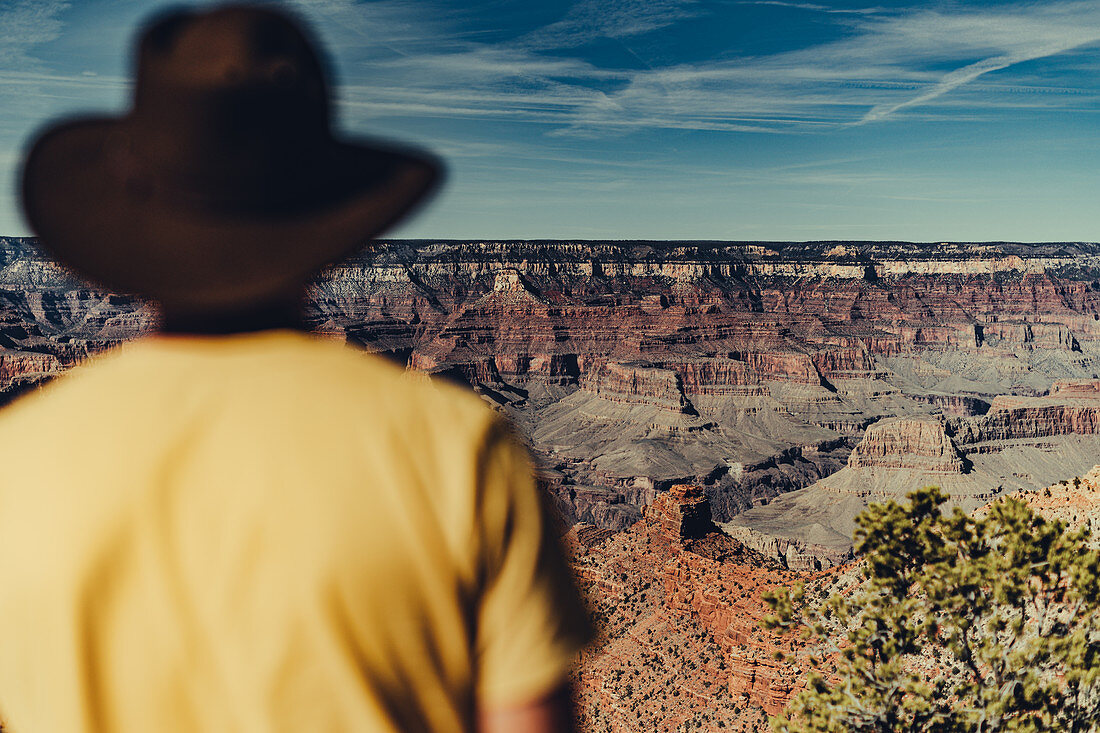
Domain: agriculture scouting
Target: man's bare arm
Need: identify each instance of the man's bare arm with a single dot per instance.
(551, 714)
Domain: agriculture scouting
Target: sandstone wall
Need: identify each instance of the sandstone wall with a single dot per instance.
(911, 443)
(1036, 419)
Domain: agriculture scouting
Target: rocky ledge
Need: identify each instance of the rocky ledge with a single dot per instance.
(638, 384)
(682, 513)
(678, 604)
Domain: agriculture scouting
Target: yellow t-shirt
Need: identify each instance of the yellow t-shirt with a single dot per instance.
(269, 532)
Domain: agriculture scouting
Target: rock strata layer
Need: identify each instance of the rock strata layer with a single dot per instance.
(911, 443)
(750, 368)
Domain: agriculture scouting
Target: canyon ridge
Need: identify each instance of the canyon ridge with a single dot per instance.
(793, 382)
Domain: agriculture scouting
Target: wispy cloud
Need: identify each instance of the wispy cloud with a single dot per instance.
(30, 91)
(884, 63)
(393, 25)
(953, 80)
(889, 64)
(589, 20)
(84, 81)
(1002, 37)
(25, 24)
(813, 6)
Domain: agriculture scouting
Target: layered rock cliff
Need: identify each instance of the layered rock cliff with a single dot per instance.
(1014, 418)
(751, 368)
(1020, 445)
(636, 384)
(903, 442)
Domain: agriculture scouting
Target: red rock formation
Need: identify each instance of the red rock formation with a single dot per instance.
(776, 346)
(582, 536)
(955, 405)
(780, 365)
(681, 513)
(1014, 418)
(1076, 388)
(679, 605)
(1074, 501)
(636, 384)
(560, 368)
(17, 367)
(917, 443)
(846, 363)
(726, 376)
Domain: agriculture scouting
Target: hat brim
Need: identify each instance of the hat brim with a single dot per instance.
(199, 259)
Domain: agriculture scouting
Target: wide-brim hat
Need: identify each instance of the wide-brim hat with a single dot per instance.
(223, 187)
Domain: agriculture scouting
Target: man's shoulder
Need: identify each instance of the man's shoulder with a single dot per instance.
(282, 370)
(384, 381)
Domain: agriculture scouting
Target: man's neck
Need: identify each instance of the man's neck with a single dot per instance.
(283, 315)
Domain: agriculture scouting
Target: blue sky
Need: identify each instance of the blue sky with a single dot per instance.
(671, 119)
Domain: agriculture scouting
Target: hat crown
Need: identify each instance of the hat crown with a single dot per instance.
(232, 103)
(232, 47)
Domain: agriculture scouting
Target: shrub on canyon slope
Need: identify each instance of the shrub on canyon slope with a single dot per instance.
(960, 623)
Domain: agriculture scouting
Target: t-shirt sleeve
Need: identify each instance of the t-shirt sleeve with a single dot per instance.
(531, 622)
